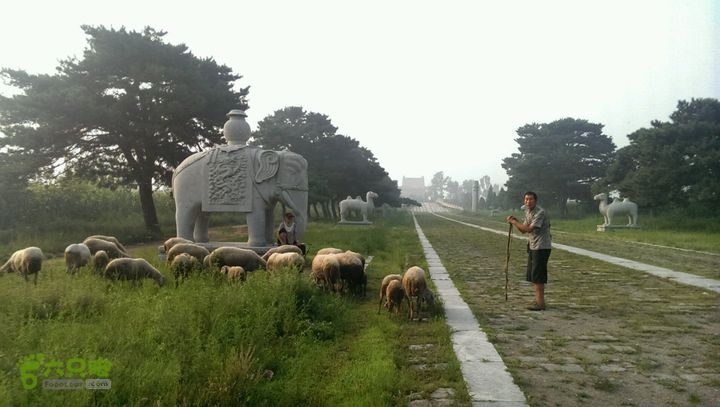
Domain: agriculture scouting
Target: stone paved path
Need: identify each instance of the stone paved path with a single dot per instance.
(489, 383)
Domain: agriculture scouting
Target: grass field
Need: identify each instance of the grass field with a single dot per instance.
(276, 340)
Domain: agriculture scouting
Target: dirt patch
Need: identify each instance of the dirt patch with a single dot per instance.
(611, 335)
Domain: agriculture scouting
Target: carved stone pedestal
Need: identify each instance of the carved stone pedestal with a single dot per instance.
(606, 228)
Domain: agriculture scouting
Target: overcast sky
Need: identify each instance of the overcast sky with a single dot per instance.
(427, 86)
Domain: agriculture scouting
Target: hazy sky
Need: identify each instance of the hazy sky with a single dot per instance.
(427, 86)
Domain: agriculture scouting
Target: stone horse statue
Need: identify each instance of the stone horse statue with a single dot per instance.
(357, 205)
(617, 208)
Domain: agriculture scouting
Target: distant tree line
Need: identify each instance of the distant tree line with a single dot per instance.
(133, 107)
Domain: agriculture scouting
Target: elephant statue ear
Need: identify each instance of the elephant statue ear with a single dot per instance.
(269, 161)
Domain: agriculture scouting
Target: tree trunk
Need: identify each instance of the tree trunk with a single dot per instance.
(148, 207)
(332, 209)
(317, 214)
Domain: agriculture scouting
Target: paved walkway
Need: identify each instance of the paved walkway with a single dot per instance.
(677, 276)
(488, 381)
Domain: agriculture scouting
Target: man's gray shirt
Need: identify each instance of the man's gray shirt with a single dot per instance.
(539, 237)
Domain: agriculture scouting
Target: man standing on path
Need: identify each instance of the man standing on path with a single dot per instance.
(537, 225)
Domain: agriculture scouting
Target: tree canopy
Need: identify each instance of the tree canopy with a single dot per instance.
(558, 160)
(337, 165)
(672, 164)
(126, 113)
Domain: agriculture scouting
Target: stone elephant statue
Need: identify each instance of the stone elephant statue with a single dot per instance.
(240, 179)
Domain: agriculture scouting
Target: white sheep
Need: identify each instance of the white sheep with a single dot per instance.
(328, 250)
(415, 285)
(76, 255)
(100, 261)
(325, 271)
(25, 262)
(291, 260)
(173, 241)
(383, 287)
(286, 248)
(182, 265)
(394, 294)
(194, 250)
(133, 269)
(234, 274)
(111, 239)
(112, 249)
(234, 256)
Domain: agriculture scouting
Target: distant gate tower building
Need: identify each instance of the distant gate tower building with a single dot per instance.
(413, 188)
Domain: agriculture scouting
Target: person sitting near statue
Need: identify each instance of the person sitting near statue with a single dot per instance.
(286, 232)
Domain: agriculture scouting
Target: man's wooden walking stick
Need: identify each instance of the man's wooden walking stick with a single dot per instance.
(507, 262)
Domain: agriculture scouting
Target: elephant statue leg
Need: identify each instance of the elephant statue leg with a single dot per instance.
(185, 216)
(202, 224)
(270, 224)
(256, 228)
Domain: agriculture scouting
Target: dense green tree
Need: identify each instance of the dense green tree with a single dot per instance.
(337, 165)
(126, 113)
(672, 164)
(437, 187)
(558, 160)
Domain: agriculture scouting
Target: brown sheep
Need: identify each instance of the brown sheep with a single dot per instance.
(291, 260)
(394, 294)
(112, 250)
(352, 271)
(415, 285)
(194, 250)
(388, 278)
(25, 262)
(182, 265)
(328, 250)
(286, 248)
(100, 261)
(133, 269)
(326, 271)
(111, 239)
(235, 256)
(235, 273)
(76, 255)
(173, 241)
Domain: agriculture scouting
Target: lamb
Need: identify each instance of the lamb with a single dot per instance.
(291, 260)
(235, 256)
(395, 294)
(388, 278)
(111, 239)
(326, 271)
(194, 250)
(173, 241)
(328, 250)
(76, 255)
(112, 250)
(234, 274)
(25, 262)
(352, 271)
(182, 265)
(286, 248)
(133, 269)
(415, 285)
(100, 261)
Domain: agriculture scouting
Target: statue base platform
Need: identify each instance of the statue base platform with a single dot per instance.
(243, 245)
(610, 228)
(354, 222)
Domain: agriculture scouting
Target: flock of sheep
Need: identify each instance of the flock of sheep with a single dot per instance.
(332, 269)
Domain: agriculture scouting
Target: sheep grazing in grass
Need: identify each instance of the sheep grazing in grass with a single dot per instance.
(134, 270)
(182, 265)
(25, 262)
(329, 250)
(394, 295)
(352, 272)
(192, 249)
(111, 239)
(325, 271)
(235, 274)
(173, 241)
(235, 256)
(100, 261)
(292, 260)
(415, 285)
(76, 255)
(388, 278)
(286, 248)
(112, 250)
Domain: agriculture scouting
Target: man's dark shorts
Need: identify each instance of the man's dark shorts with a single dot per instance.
(537, 266)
